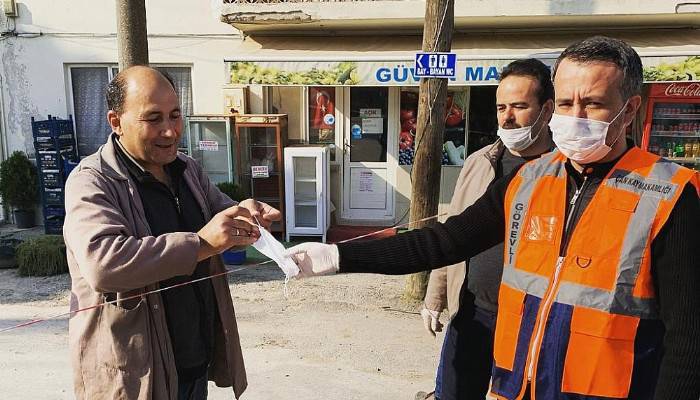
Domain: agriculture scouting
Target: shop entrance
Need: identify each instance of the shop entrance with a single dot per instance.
(368, 192)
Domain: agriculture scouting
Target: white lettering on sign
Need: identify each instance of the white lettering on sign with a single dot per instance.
(260, 171)
(515, 226)
(435, 65)
(683, 89)
(208, 145)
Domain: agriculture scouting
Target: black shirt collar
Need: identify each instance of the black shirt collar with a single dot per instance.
(595, 170)
(174, 169)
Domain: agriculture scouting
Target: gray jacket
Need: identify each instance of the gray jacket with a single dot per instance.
(478, 172)
(123, 350)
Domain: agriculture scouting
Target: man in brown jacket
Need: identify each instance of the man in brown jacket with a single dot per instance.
(524, 102)
(141, 217)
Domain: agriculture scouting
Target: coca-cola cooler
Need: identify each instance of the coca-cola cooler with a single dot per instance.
(672, 124)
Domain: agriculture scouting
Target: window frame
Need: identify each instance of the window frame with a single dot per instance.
(304, 117)
(70, 103)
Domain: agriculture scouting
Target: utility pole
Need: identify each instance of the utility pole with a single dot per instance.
(132, 38)
(425, 194)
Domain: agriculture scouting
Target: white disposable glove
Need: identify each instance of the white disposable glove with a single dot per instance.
(315, 259)
(431, 320)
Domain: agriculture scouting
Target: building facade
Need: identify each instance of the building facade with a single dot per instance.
(341, 70)
(359, 57)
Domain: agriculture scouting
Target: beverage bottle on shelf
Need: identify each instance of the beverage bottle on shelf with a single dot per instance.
(670, 148)
(688, 149)
(653, 146)
(680, 150)
(696, 149)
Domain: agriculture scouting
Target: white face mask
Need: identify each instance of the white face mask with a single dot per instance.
(271, 247)
(581, 139)
(519, 139)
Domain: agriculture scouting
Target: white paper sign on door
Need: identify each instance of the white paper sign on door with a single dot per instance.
(372, 125)
(208, 145)
(370, 112)
(260, 171)
(366, 182)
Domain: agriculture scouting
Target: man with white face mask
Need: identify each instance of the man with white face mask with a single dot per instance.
(598, 298)
(524, 103)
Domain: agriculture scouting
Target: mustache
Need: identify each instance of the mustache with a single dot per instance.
(511, 125)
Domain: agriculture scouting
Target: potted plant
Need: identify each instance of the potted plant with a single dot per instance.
(234, 192)
(18, 187)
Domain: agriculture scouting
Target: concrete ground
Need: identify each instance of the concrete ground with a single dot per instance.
(339, 337)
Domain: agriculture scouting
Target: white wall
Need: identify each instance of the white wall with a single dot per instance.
(33, 67)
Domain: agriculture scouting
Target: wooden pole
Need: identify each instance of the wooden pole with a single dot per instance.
(427, 165)
(132, 37)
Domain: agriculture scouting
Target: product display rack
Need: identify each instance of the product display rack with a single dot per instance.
(672, 124)
(260, 140)
(56, 155)
(307, 199)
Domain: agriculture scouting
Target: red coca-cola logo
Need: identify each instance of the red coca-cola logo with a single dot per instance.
(683, 89)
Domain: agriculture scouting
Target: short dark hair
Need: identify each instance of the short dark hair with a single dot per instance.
(116, 90)
(614, 51)
(535, 69)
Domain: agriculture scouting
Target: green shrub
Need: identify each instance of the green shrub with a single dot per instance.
(19, 182)
(42, 256)
(231, 190)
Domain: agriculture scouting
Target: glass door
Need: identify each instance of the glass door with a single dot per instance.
(305, 192)
(209, 140)
(367, 181)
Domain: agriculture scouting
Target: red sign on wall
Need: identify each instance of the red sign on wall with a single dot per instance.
(676, 90)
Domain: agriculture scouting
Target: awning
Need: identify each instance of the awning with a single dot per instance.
(388, 61)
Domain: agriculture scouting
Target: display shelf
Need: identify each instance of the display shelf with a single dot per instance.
(267, 199)
(260, 140)
(678, 116)
(681, 134)
(313, 203)
(684, 160)
(247, 174)
(306, 193)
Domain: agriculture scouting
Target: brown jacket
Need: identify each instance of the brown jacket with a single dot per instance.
(477, 173)
(123, 351)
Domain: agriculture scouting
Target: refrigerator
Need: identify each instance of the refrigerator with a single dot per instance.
(672, 123)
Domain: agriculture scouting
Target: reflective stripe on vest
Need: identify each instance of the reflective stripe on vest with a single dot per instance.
(605, 284)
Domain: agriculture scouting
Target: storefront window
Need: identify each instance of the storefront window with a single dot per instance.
(369, 109)
(288, 100)
(455, 123)
(321, 116)
(482, 117)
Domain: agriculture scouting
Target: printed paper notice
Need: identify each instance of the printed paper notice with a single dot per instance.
(260, 171)
(372, 125)
(366, 182)
(208, 145)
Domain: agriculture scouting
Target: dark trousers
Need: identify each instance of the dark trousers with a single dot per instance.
(464, 371)
(196, 389)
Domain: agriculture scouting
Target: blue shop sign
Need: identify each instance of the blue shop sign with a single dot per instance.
(436, 65)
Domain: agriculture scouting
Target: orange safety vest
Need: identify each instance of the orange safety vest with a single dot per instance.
(585, 325)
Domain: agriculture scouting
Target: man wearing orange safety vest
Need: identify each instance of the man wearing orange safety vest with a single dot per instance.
(599, 297)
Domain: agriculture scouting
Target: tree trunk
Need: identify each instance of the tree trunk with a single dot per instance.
(132, 37)
(425, 175)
